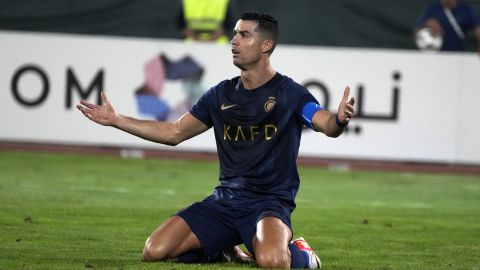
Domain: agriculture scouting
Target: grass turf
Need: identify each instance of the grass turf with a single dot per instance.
(85, 212)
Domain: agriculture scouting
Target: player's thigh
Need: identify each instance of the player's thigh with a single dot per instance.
(270, 243)
(170, 239)
(268, 223)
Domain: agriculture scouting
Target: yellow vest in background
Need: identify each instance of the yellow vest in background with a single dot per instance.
(205, 16)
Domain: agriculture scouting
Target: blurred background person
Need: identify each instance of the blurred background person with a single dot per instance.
(448, 21)
(205, 20)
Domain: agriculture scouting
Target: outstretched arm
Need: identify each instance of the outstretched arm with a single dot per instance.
(332, 124)
(169, 133)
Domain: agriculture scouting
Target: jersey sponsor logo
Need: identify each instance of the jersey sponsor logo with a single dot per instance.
(249, 133)
(225, 107)
(269, 104)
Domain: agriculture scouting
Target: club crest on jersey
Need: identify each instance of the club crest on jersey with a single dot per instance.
(269, 104)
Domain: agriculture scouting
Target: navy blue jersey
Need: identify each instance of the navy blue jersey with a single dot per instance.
(258, 135)
(465, 16)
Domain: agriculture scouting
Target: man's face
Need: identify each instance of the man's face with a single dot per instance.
(246, 44)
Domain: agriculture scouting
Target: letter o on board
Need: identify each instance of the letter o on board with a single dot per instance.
(45, 84)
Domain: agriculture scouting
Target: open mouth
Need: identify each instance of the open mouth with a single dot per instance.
(235, 52)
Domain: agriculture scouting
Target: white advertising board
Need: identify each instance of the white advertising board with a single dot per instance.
(411, 106)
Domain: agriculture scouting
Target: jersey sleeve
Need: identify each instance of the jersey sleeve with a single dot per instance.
(308, 112)
(201, 110)
(306, 97)
(306, 107)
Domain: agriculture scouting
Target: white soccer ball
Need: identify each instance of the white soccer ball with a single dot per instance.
(427, 40)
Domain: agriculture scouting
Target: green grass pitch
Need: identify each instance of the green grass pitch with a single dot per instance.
(85, 212)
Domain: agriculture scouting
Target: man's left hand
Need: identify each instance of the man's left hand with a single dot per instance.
(345, 109)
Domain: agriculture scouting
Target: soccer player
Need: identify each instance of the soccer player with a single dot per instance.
(257, 120)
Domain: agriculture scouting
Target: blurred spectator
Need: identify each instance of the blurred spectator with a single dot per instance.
(205, 20)
(451, 20)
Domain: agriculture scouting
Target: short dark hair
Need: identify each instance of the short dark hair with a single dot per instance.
(267, 25)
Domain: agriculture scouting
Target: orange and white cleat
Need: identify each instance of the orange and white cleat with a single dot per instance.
(314, 261)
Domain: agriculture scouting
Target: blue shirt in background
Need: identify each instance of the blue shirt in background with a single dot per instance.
(466, 18)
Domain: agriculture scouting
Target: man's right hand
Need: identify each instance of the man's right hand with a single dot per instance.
(169, 133)
(103, 115)
(434, 26)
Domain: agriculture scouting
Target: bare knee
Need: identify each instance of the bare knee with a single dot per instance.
(273, 259)
(270, 243)
(169, 240)
(154, 251)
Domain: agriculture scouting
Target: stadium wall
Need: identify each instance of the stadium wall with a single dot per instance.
(346, 23)
(411, 106)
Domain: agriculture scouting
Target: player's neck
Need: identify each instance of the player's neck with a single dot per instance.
(256, 77)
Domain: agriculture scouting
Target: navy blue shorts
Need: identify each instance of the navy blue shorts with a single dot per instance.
(219, 226)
